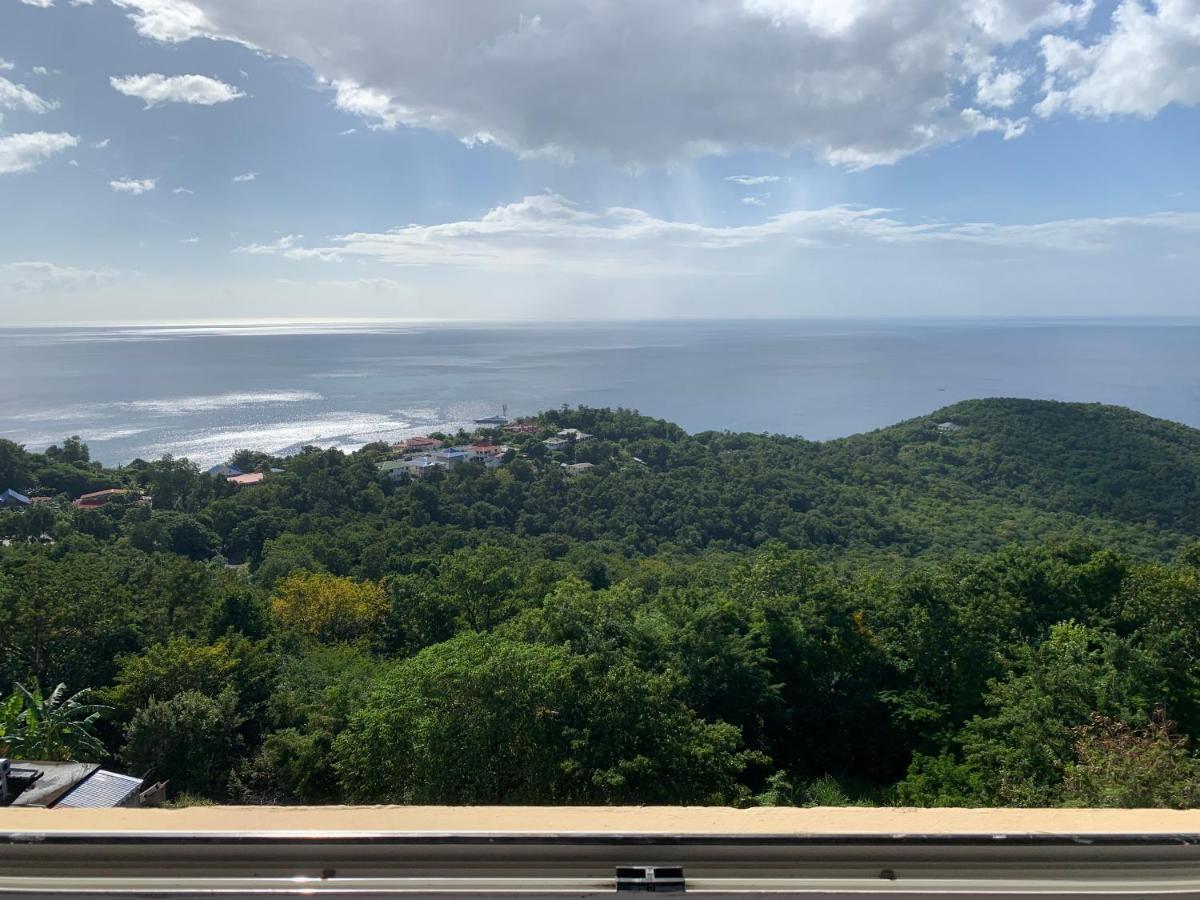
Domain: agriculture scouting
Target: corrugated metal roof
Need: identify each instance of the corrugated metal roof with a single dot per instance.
(102, 789)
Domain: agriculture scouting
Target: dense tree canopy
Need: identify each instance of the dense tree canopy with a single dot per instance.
(1005, 611)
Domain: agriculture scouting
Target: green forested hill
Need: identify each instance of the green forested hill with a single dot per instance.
(1014, 470)
(1002, 611)
(1087, 459)
(1029, 468)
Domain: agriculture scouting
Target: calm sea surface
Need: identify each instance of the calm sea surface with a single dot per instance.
(205, 392)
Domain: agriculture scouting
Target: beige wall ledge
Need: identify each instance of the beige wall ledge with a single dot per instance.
(658, 820)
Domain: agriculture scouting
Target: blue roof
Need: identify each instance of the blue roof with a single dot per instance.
(452, 451)
(10, 494)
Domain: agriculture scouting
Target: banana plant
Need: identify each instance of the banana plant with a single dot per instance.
(54, 727)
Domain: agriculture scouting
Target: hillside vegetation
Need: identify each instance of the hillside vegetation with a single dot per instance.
(1004, 609)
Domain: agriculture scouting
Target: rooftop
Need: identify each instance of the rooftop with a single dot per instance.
(99, 498)
(248, 478)
(31, 784)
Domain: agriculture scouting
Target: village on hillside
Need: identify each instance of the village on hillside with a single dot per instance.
(412, 459)
(419, 457)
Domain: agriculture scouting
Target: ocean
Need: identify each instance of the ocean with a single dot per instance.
(203, 392)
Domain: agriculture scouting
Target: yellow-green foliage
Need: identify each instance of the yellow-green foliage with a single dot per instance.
(327, 607)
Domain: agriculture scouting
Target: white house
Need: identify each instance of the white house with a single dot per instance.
(580, 436)
(422, 466)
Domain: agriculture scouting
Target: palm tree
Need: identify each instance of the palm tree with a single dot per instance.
(57, 727)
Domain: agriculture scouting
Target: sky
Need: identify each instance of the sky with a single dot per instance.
(192, 160)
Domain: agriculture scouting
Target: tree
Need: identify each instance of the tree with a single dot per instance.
(481, 719)
(175, 532)
(472, 720)
(479, 581)
(64, 619)
(170, 481)
(1117, 765)
(15, 466)
(73, 451)
(54, 727)
(1024, 744)
(164, 670)
(191, 739)
(327, 607)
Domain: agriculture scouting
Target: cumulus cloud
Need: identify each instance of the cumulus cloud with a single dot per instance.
(133, 185)
(48, 278)
(22, 152)
(199, 90)
(999, 89)
(100, 145)
(547, 232)
(857, 82)
(244, 177)
(43, 4)
(1149, 58)
(5, 65)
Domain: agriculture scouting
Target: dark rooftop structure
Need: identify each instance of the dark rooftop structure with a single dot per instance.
(10, 498)
(63, 785)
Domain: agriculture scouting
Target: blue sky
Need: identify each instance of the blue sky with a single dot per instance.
(215, 159)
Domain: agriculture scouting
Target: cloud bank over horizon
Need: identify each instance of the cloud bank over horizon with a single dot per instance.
(751, 153)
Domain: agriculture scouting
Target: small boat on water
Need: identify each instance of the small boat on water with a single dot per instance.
(494, 420)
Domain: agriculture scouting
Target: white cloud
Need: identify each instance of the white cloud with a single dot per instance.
(22, 152)
(43, 4)
(1149, 59)
(19, 97)
(999, 89)
(283, 246)
(72, 162)
(756, 199)
(858, 82)
(182, 190)
(547, 232)
(133, 185)
(5, 65)
(48, 278)
(167, 20)
(347, 131)
(244, 177)
(371, 104)
(199, 90)
(100, 145)
(190, 240)
(751, 180)
(39, 70)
